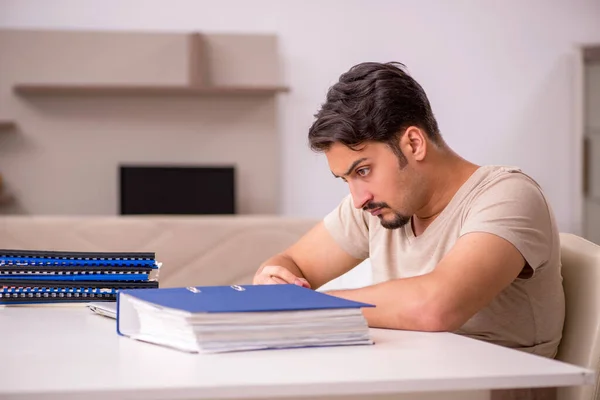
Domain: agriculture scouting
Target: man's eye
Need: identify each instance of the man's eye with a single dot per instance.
(363, 171)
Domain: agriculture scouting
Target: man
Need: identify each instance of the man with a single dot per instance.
(453, 246)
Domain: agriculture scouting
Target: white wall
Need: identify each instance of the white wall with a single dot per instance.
(500, 74)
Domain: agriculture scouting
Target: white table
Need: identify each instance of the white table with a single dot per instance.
(67, 352)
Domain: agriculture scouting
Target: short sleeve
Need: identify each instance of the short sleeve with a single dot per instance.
(349, 228)
(513, 207)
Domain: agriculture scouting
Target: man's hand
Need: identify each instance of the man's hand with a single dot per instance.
(311, 262)
(274, 274)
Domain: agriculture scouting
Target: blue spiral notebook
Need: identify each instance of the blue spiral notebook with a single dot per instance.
(56, 262)
(29, 276)
(236, 318)
(29, 295)
(78, 277)
(76, 262)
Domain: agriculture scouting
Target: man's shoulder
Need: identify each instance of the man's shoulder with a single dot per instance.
(506, 181)
(510, 204)
(495, 173)
(504, 194)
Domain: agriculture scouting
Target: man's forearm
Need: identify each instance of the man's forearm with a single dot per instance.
(400, 304)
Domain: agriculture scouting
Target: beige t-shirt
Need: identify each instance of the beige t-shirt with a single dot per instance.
(528, 315)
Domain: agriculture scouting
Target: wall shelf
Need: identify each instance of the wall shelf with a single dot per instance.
(144, 64)
(6, 125)
(144, 90)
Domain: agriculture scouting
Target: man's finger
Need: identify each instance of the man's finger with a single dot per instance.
(280, 272)
(278, 280)
(263, 279)
(302, 282)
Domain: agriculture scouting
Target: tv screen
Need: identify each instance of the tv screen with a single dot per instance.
(177, 190)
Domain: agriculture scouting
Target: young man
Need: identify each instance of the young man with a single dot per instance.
(453, 246)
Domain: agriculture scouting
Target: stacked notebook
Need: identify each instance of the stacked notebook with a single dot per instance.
(213, 319)
(61, 276)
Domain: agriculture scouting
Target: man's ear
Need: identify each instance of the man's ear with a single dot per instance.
(414, 143)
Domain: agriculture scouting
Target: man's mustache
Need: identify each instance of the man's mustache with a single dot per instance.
(373, 206)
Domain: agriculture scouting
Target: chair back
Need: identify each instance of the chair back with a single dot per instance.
(580, 344)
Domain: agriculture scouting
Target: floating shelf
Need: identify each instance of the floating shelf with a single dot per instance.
(144, 65)
(7, 125)
(145, 90)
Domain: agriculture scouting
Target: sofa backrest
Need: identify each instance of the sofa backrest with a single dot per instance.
(194, 250)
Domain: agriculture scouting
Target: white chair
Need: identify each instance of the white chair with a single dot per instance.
(580, 344)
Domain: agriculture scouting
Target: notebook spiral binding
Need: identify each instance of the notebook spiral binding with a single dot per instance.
(77, 262)
(89, 284)
(76, 254)
(79, 277)
(78, 272)
(32, 276)
(57, 293)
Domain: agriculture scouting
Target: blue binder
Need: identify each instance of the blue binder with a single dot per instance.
(251, 298)
(239, 318)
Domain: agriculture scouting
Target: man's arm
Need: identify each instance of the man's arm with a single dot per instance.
(316, 257)
(479, 266)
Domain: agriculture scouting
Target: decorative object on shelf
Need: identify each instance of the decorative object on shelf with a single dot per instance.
(5, 198)
(6, 125)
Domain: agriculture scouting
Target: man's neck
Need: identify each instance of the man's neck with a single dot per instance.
(451, 173)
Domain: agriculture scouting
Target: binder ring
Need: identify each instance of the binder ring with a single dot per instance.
(238, 288)
(193, 289)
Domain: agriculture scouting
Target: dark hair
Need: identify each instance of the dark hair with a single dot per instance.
(372, 102)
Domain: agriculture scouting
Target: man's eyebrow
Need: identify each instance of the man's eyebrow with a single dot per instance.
(354, 164)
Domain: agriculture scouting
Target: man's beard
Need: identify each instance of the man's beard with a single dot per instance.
(399, 219)
(398, 222)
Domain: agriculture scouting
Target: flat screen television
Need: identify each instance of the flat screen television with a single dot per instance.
(159, 189)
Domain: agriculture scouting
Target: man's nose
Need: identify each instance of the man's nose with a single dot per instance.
(360, 196)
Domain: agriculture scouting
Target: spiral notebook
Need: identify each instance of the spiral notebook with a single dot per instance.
(44, 295)
(28, 276)
(98, 284)
(55, 262)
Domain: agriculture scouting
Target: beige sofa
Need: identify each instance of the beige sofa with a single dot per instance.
(194, 250)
